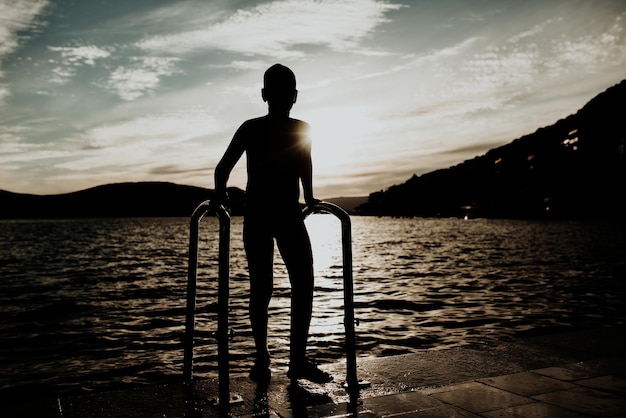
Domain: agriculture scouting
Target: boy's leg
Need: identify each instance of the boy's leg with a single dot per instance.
(259, 246)
(295, 248)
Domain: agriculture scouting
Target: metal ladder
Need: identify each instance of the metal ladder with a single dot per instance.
(223, 294)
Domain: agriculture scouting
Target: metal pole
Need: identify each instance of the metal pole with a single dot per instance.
(191, 290)
(222, 308)
(222, 296)
(348, 288)
(348, 297)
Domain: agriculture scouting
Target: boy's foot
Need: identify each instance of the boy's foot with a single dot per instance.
(309, 371)
(260, 372)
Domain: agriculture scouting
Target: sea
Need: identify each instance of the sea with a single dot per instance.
(99, 304)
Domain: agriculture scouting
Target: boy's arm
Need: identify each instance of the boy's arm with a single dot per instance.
(307, 184)
(225, 166)
(307, 180)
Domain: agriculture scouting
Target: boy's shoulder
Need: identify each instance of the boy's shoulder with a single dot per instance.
(300, 122)
(249, 126)
(262, 120)
(255, 121)
(299, 125)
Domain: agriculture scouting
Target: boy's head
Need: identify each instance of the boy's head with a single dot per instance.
(279, 85)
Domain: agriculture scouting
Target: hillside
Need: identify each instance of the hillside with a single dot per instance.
(349, 204)
(144, 199)
(574, 169)
(113, 200)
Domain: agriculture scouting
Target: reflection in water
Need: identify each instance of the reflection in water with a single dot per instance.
(100, 303)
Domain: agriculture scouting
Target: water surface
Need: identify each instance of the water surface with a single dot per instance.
(95, 304)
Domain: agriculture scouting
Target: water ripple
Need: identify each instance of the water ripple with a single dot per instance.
(95, 304)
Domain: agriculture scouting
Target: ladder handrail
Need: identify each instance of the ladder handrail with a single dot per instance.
(348, 286)
(222, 296)
(223, 292)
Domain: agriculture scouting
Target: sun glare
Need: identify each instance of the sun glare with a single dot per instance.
(336, 133)
(325, 233)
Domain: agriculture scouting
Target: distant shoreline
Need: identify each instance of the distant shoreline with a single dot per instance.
(127, 200)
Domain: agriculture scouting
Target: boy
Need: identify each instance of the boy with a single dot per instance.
(278, 158)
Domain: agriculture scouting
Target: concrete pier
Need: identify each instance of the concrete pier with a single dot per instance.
(579, 373)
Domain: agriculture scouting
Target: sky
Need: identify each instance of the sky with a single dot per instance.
(95, 91)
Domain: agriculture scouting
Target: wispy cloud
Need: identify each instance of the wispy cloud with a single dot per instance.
(152, 130)
(281, 28)
(591, 51)
(432, 57)
(16, 18)
(82, 55)
(73, 57)
(62, 75)
(455, 50)
(171, 169)
(141, 77)
(11, 139)
(556, 55)
(4, 93)
(242, 65)
(535, 30)
(390, 87)
(138, 141)
(483, 75)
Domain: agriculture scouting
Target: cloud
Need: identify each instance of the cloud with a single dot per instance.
(242, 65)
(4, 93)
(16, 18)
(590, 52)
(495, 70)
(129, 82)
(61, 75)
(170, 169)
(433, 57)
(142, 77)
(73, 58)
(10, 137)
(281, 28)
(284, 28)
(535, 30)
(485, 76)
(152, 130)
(558, 55)
(81, 55)
(139, 141)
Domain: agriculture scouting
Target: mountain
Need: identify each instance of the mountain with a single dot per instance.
(349, 204)
(144, 199)
(113, 200)
(574, 169)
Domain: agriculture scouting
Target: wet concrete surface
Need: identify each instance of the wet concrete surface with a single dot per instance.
(571, 374)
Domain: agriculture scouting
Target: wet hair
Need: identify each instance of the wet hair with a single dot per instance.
(279, 78)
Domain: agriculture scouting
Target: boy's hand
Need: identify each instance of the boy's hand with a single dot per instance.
(311, 201)
(219, 199)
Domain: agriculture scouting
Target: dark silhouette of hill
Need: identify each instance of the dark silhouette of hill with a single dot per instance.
(144, 199)
(149, 199)
(349, 204)
(574, 169)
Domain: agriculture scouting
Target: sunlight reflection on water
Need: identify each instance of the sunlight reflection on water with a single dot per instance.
(98, 303)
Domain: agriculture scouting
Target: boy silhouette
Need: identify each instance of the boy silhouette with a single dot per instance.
(278, 155)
